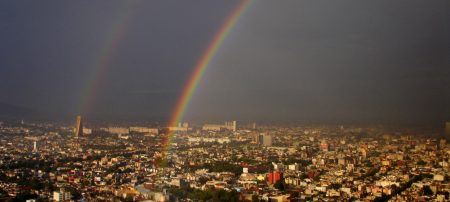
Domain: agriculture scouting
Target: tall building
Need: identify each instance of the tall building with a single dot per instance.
(274, 177)
(258, 138)
(35, 146)
(78, 127)
(267, 140)
(234, 126)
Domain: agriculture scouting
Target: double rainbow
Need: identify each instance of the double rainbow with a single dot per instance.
(101, 65)
(113, 40)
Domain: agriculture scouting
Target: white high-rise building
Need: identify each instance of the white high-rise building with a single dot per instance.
(35, 146)
(234, 126)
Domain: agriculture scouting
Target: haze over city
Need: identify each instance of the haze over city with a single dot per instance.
(319, 61)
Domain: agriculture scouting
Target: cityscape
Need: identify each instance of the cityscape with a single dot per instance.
(224, 101)
(225, 162)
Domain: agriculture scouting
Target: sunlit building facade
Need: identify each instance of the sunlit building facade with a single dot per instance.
(79, 127)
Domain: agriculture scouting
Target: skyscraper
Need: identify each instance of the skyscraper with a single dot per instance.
(258, 138)
(79, 127)
(34, 146)
(267, 140)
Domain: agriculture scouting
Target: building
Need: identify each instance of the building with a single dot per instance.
(267, 140)
(229, 125)
(294, 167)
(274, 177)
(178, 129)
(442, 143)
(61, 195)
(185, 125)
(79, 127)
(35, 149)
(212, 127)
(87, 131)
(324, 146)
(144, 130)
(258, 138)
(117, 130)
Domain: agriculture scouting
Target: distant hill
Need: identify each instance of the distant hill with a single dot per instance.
(10, 111)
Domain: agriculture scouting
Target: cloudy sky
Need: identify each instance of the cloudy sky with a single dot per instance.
(314, 61)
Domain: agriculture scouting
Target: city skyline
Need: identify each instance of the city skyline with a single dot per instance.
(222, 162)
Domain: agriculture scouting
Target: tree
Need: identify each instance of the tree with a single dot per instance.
(303, 176)
(255, 198)
(421, 162)
(222, 195)
(427, 191)
(3, 193)
(279, 185)
(76, 195)
(335, 186)
(23, 196)
(127, 199)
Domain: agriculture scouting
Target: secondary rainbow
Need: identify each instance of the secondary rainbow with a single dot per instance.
(101, 64)
(200, 68)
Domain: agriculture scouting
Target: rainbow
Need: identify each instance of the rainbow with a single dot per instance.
(101, 64)
(199, 70)
(113, 40)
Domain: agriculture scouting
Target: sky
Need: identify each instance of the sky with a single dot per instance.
(308, 61)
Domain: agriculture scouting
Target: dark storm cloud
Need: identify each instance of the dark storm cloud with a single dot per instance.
(49, 49)
(378, 61)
